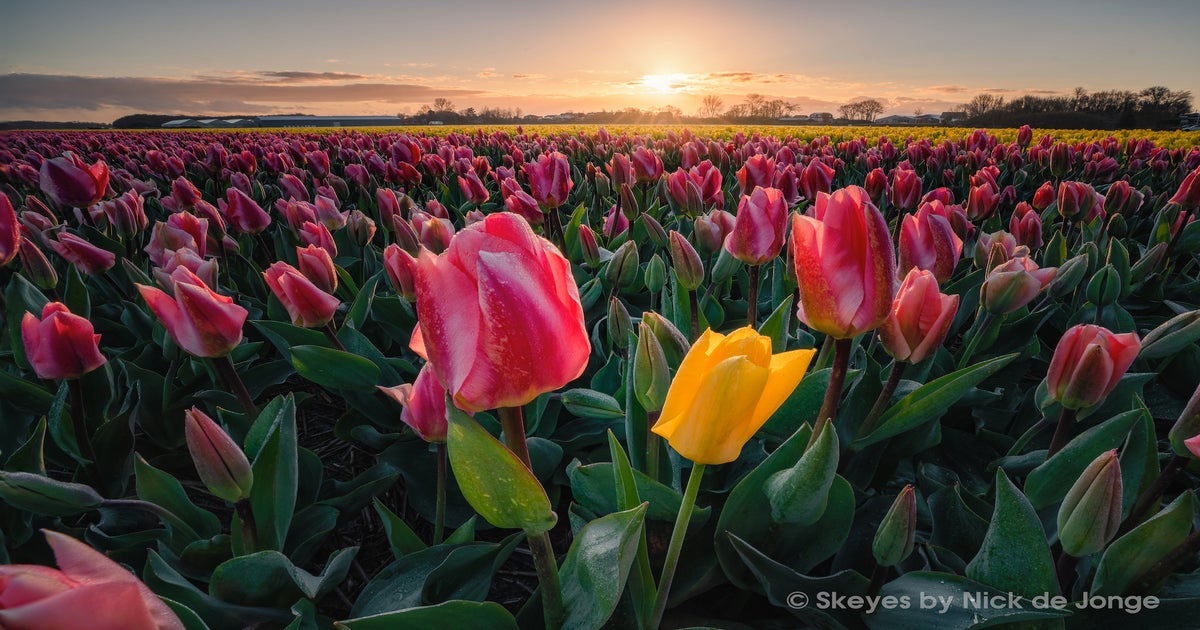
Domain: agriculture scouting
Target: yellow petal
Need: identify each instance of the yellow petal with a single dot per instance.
(691, 371)
(784, 375)
(718, 421)
(744, 342)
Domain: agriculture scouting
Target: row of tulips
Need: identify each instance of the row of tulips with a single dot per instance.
(697, 373)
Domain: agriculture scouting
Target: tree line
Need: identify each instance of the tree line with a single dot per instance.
(1156, 107)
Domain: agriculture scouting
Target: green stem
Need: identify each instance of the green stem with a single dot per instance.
(878, 577)
(676, 544)
(1149, 498)
(1027, 437)
(228, 374)
(1165, 567)
(1062, 432)
(694, 305)
(975, 334)
(652, 447)
(833, 393)
(79, 422)
(553, 610)
(884, 399)
(752, 298)
(1065, 569)
(512, 421)
(332, 336)
(439, 521)
(249, 527)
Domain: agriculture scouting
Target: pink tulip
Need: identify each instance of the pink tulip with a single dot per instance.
(328, 213)
(928, 242)
(1088, 363)
(472, 188)
(293, 188)
(758, 171)
(316, 265)
(60, 344)
(759, 228)
(401, 269)
(549, 179)
(126, 214)
(906, 188)
(433, 232)
(184, 193)
(1043, 197)
(708, 178)
(845, 264)
(201, 321)
(520, 202)
(919, 319)
(70, 182)
(982, 202)
(1014, 284)
(1004, 244)
(317, 234)
(87, 592)
(220, 462)
(817, 178)
(500, 315)
(86, 257)
(1188, 194)
(711, 230)
(10, 231)
(876, 185)
(1026, 226)
(424, 403)
(615, 223)
(205, 269)
(243, 213)
(307, 305)
(647, 167)
(388, 204)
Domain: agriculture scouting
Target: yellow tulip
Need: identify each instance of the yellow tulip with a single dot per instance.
(725, 390)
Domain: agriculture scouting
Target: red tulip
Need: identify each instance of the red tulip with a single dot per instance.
(316, 265)
(184, 193)
(1026, 226)
(685, 193)
(817, 178)
(60, 344)
(758, 171)
(615, 223)
(293, 188)
(708, 178)
(906, 188)
(759, 227)
(220, 462)
(318, 163)
(845, 264)
(520, 202)
(982, 202)
(919, 320)
(87, 592)
(70, 182)
(1074, 199)
(1043, 197)
(10, 231)
(201, 321)
(401, 270)
(424, 403)
(500, 315)
(317, 234)
(86, 257)
(876, 184)
(550, 179)
(307, 305)
(647, 167)
(1188, 194)
(928, 242)
(1088, 362)
(243, 213)
(472, 188)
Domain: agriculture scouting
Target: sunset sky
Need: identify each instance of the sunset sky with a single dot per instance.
(95, 61)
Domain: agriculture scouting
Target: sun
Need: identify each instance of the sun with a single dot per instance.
(672, 83)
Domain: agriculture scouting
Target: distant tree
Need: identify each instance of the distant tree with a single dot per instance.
(982, 104)
(443, 105)
(847, 111)
(754, 104)
(869, 109)
(710, 106)
(919, 111)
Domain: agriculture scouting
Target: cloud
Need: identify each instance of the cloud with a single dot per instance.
(948, 89)
(997, 90)
(297, 76)
(205, 95)
(524, 77)
(1041, 91)
(487, 73)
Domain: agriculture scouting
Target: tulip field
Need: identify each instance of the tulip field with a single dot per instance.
(580, 378)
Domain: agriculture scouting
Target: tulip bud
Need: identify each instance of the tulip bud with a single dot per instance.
(620, 325)
(43, 495)
(1188, 194)
(1013, 285)
(675, 346)
(876, 185)
(1060, 159)
(222, 465)
(1088, 363)
(590, 292)
(629, 205)
(10, 231)
(919, 319)
(406, 236)
(1043, 197)
(727, 265)
(658, 235)
(587, 243)
(897, 532)
(651, 373)
(1171, 336)
(360, 227)
(623, 266)
(799, 495)
(656, 274)
(400, 267)
(36, 267)
(1069, 275)
(1091, 512)
(689, 269)
(306, 304)
(1147, 264)
(1104, 287)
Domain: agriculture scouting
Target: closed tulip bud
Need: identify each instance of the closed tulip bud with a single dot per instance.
(800, 494)
(1171, 336)
(406, 236)
(1069, 275)
(689, 269)
(1014, 284)
(70, 182)
(307, 305)
(1061, 159)
(994, 249)
(388, 205)
(897, 531)
(876, 185)
(647, 167)
(1024, 136)
(1074, 199)
(1043, 197)
(433, 232)
(587, 243)
(10, 231)
(318, 163)
(293, 188)
(845, 264)
(401, 268)
(550, 179)
(473, 188)
(500, 315)
(327, 212)
(360, 227)
(1188, 194)
(656, 274)
(759, 228)
(758, 170)
(60, 344)
(43, 495)
(906, 188)
(920, 318)
(674, 344)
(711, 229)
(317, 234)
(1026, 226)
(316, 265)
(86, 257)
(623, 266)
(1117, 196)
(221, 464)
(185, 194)
(1091, 512)
(519, 202)
(243, 213)
(615, 223)
(629, 205)
(1088, 363)
(817, 178)
(982, 202)
(620, 324)
(1104, 287)
(651, 372)
(725, 390)
(201, 321)
(424, 403)
(655, 230)
(36, 267)
(927, 241)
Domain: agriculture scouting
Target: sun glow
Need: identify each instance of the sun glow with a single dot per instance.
(673, 83)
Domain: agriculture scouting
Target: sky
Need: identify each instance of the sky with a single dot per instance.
(95, 61)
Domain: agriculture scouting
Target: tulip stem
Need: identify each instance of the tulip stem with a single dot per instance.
(833, 393)
(752, 298)
(973, 336)
(228, 374)
(553, 611)
(1065, 569)
(694, 305)
(512, 421)
(1149, 498)
(676, 544)
(249, 527)
(652, 447)
(878, 577)
(439, 521)
(333, 338)
(1062, 432)
(884, 399)
(79, 423)
(1165, 567)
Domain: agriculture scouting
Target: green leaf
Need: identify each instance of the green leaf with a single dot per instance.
(285, 336)
(456, 614)
(1049, 483)
(1131, 555)
(276, 477)
(595, 487)
(42, 495)
(269, 579)
(442, 571)
(219, 615)
(589, 403)
(29, 456)
(776, 325)
(801, 407)
(597, 566)
(24, 394)
(944, 601)
(164, 490)
(1014, 555)
(402, 539)
(497, 484)
(641, 581)
(931, 400)
(335, 369)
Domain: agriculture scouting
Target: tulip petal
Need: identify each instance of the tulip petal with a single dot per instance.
(784, 374)
(715, 426)
(26, 583)
(688, 377)
(449, 328)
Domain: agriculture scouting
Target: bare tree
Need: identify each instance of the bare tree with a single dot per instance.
(982, 104)
(443, 105)
(710, 106)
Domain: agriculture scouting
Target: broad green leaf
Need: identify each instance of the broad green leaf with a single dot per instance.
(164, 490)
(276, 476)
(1131, 555)
(931, 400)
(335, 369)
(29, 456)
(285, 336)
(1049, 483)
(42, 495)
(168, 583)
(402, 539)
(412, 580)
(269, 579)
(187, 616)
(1014, 555)
(497, 484)
(952, 602)
(594, 487)
(24, 394)
(597, 566)
(456, 614)
(777, 324)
